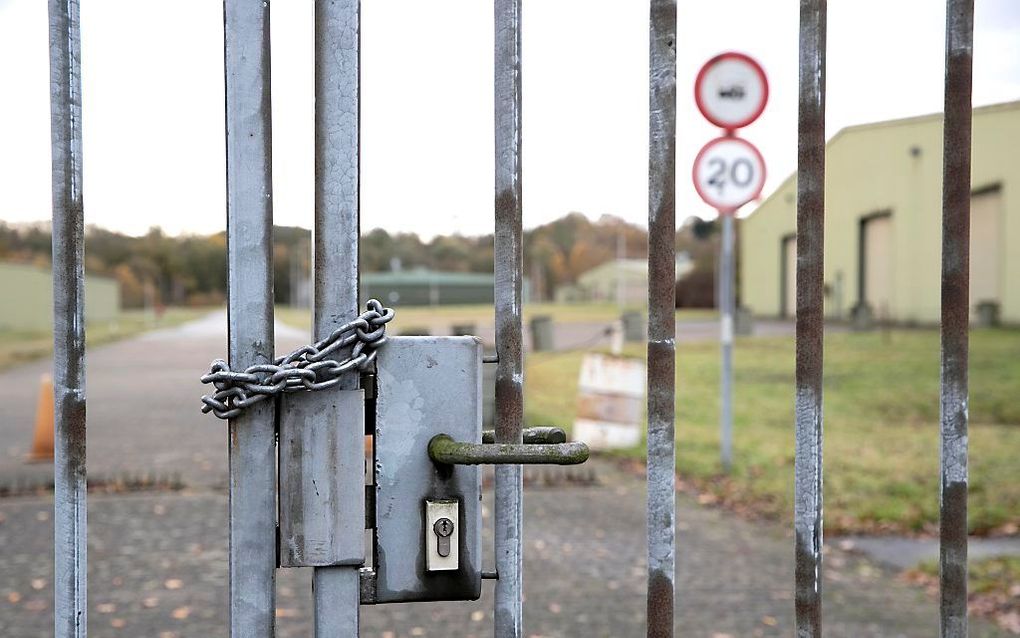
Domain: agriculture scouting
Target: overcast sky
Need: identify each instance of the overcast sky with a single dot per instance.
(153, 102)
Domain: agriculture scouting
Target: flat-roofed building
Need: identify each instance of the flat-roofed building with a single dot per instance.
(883, 224)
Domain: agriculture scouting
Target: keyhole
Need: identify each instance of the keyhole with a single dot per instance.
(443, 529)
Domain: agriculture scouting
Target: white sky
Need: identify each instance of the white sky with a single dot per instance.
(153, 102)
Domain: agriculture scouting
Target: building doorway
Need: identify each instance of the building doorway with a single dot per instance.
(788, 276)
(875, 250)
(986, 247)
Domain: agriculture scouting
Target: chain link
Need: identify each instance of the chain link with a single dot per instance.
(307, 368)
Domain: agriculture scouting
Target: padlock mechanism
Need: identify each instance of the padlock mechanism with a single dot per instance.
(445, 451)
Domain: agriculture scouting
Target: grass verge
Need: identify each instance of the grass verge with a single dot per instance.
(881, 427)
(993, 588)
(21, 346)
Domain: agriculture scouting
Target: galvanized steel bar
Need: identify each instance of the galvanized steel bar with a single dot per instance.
(661, 318)
(810, 329)
(509, 270)
(250, 316)
(69, 481)
(956, 193)
(726, 307)
(337, 181)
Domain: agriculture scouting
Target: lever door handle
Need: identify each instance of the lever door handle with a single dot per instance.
(445, 451)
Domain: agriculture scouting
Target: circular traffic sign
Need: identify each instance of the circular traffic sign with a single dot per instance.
(728, 173)
(731, 90)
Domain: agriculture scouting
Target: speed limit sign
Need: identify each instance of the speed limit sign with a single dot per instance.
(728, 173)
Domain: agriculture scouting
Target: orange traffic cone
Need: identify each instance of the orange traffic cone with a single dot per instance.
(42, 440)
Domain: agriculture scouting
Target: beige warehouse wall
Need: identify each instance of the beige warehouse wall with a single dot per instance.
(28, 298)
(896, 167)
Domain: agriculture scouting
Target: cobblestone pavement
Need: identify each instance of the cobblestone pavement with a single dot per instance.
(157, 562)
(157, 567)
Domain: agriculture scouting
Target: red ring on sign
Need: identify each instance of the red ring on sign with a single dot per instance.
(732, 55)
(728, 210)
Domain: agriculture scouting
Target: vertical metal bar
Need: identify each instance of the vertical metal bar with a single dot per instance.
(337, 223)
(727, 302)
(250, 315)
(661, 317)
(956, 192)
(69, 480)
(810, 329)
(509, 266)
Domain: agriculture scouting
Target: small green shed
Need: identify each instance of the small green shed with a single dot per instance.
(427, 287)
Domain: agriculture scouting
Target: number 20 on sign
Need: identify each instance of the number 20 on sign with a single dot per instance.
(728, 173)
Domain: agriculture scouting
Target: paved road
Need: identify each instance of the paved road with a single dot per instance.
(158, 558)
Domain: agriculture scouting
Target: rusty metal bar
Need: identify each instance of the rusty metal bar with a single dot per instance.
(810, 329)
(509, 270)
(337, 225)
(956, 193)
(445, 450)
(252, 438)
(661, 317)
(70, 548)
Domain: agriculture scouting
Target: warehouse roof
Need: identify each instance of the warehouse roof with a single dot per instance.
(915, 119)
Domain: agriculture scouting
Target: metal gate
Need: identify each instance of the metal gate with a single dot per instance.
(340, 584)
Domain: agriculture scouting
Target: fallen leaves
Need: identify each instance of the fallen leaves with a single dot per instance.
(181, 613)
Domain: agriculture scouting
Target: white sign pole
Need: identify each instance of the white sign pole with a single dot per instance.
(727, 301)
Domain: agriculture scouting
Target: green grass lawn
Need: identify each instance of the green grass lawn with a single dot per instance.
(415, 316)
(20, 346)
(881, 426)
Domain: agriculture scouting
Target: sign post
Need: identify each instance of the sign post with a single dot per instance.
(731, 91)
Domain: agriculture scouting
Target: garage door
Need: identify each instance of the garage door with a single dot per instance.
(986, 247)
(789, 283)
(878, 248)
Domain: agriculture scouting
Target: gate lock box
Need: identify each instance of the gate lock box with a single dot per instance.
(426, 385)
(428, 444)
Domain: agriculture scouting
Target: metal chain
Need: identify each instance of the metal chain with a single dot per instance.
(307, 368)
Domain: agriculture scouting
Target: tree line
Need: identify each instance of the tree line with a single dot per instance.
(191, 269)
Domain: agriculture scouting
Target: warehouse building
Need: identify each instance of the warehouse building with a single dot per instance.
(621, 281)
(28, 293)
(883, 225)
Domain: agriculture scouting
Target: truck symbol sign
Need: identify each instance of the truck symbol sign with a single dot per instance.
(735, 92)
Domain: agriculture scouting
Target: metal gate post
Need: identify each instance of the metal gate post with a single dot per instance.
(661, 318)
(69, 482)
(956, 195)
(509, 266)
(337, 179)
(252, 438)
(810, 329)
